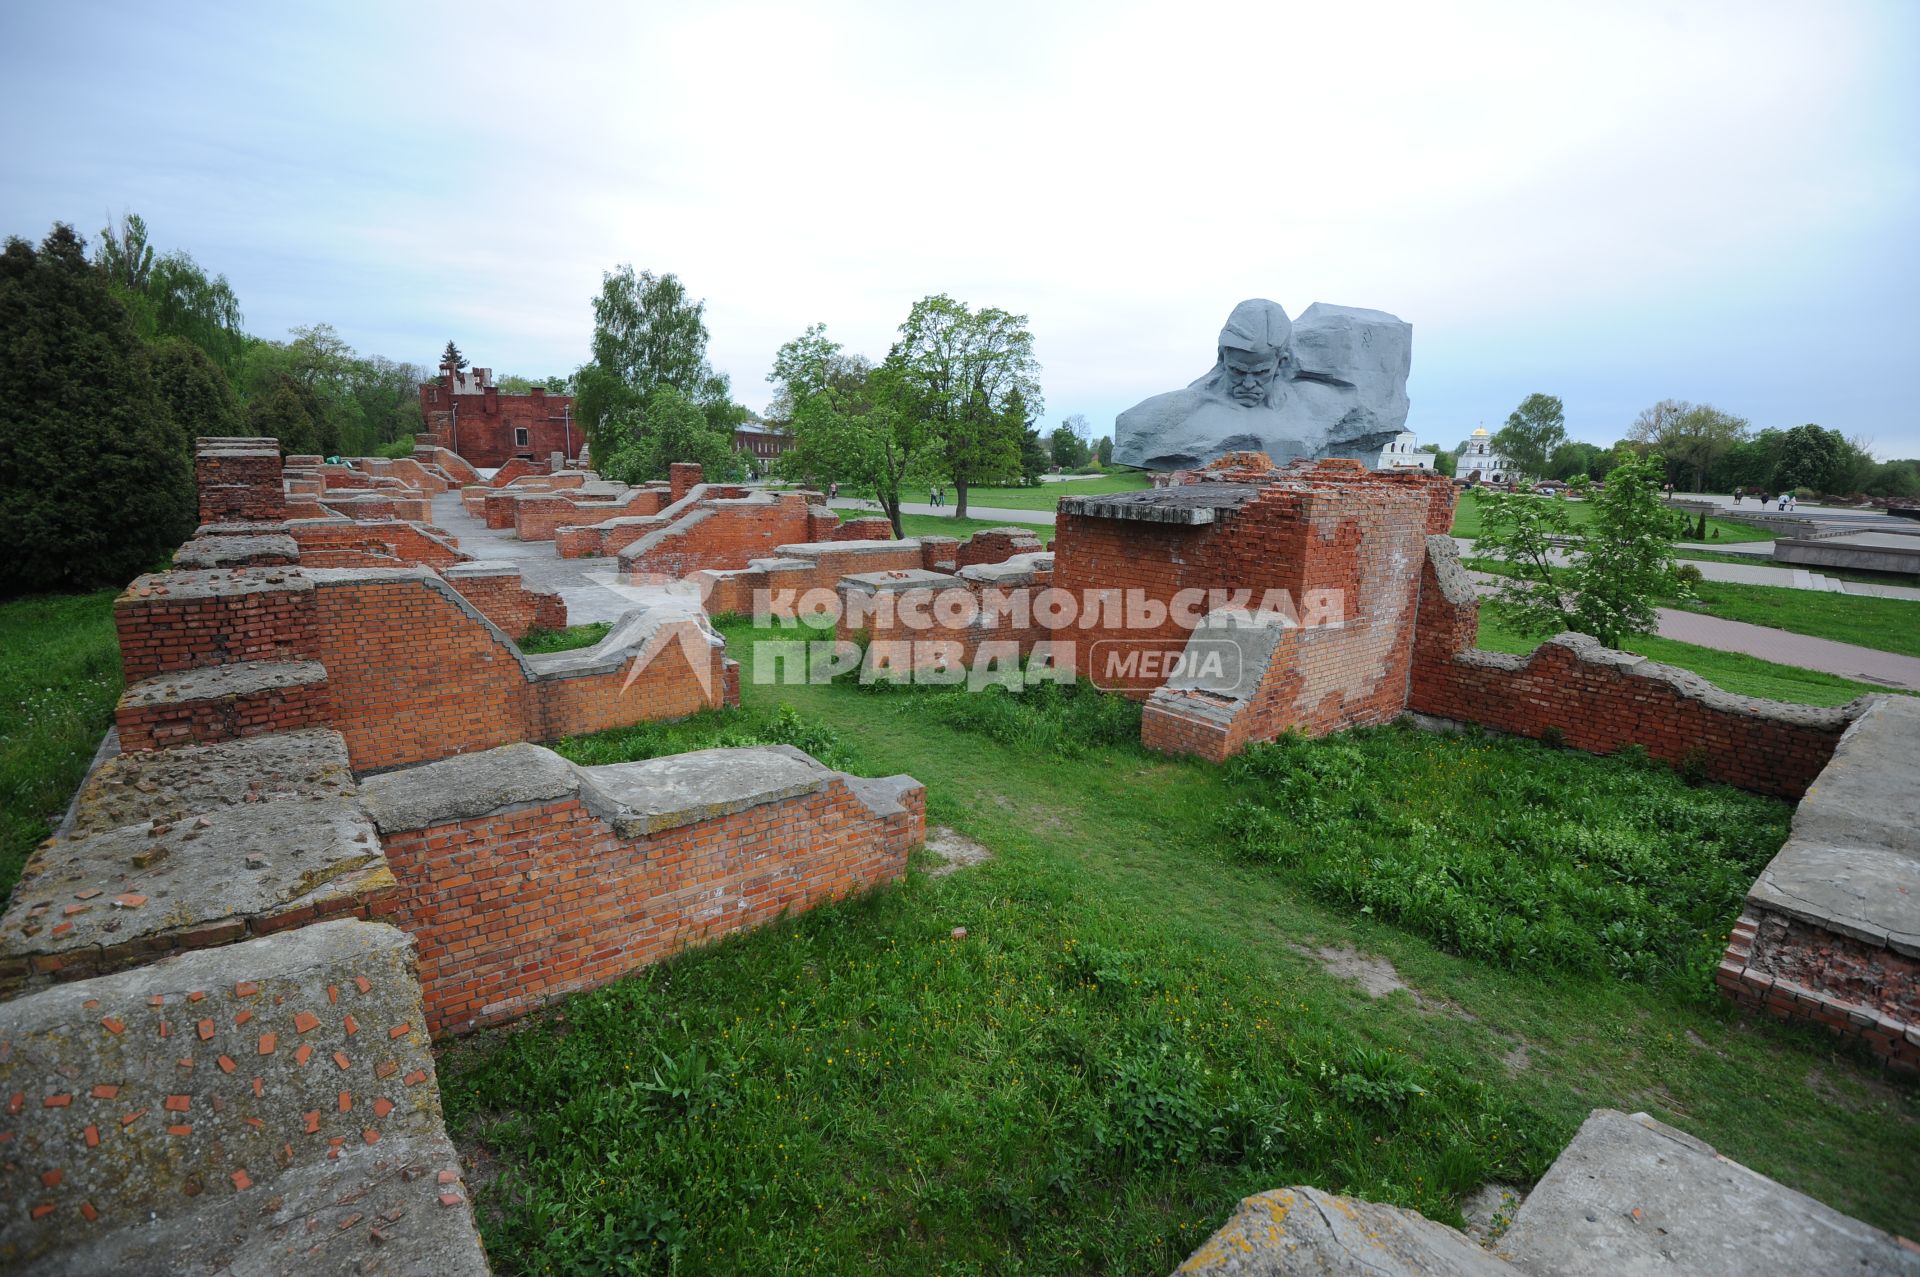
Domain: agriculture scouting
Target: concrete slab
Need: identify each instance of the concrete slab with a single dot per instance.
(268, 1107)
(194, 780)
(242, 678)
(1633, 1197)
(1852, 861)
(680, 789)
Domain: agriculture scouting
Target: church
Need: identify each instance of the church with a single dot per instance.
(1478, 462)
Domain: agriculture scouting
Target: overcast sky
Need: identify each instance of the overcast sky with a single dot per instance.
(1614, 203)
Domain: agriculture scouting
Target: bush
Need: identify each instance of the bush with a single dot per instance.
(398, 449)
(1687, 574)
(96, 476)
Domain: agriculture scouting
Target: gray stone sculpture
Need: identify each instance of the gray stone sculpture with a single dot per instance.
(1332, 385)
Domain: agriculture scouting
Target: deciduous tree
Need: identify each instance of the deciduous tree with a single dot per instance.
(1532, 432)
(1617, 565)
(956, 370)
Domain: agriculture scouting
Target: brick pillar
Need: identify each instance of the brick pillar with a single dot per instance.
(239, 480)
(682, 475)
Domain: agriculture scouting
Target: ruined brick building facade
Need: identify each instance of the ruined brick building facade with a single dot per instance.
(466, 413)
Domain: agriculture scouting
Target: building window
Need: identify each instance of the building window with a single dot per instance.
(520, 436)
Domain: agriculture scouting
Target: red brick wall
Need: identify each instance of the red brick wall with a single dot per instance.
(681, 478)
(1600, 702)
(414, 678)
(1793, 970)
(238, 483)
(517, 468)
(163, 625)
(412, 508)
(995, 545)
(371, 544)
(483, 430)
(870, 529)
(276, 709)
(729, 536)
(734, 591)
(515, 909)
(502, 599)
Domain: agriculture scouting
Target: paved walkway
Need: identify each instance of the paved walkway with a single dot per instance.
(1783, 576)
(592, 587)
(1866, 664)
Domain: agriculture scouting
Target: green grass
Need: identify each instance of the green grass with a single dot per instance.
(1733, 671)
(1466, 522)
(1761, 560)
(59, 680)
(1047, 495)
(1886, 625)
(1130, 1036)
(539, 640)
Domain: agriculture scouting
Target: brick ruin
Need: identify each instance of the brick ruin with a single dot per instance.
(324, 840)
(327, 836)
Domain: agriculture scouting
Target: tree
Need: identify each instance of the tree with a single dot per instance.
(646, 333)
(1617, 565)
(669, 428)
(1532, 432)
(1444, 462)
(282, 412)
(1068, 443)
(1104, 454)
(1809, 457)
(170, 295)
(197, 394)
(1692, 437)
(451, 358)
(96, 476)
(956, 371)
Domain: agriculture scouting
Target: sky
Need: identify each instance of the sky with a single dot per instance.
(1613, 203)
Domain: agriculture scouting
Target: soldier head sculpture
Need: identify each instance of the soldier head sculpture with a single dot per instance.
(1332, 385)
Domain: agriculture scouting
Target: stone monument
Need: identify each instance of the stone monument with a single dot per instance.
(1332, 385)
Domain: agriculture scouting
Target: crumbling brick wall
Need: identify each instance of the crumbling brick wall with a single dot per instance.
(188, 620)
(1601, 701)
(719, 533)
(681, 478)
(996, 545)
(239, 479)
(523, 905)
(1792, 970)
(496, 590)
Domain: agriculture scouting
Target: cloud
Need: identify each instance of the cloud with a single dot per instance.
(1617, 203)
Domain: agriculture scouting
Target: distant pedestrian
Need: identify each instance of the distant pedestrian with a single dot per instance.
(833, 490)
(1736, 495)
(1784, 498)
(1793, 499)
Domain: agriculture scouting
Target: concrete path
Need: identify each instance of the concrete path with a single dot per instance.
(592, 587)
(1866, 664)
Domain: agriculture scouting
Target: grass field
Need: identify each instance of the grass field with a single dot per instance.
(1047, 495)
(945, 525)
(59, 679)
(1466, 522)
(1138, 1026)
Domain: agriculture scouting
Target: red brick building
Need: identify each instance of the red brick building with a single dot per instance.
(466, 413)
(761, 443)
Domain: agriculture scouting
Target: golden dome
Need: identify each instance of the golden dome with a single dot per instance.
(1480, 432)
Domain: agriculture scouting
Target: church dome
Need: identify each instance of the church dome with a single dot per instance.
(1480, 432)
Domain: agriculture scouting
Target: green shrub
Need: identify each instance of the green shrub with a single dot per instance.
(398, 449)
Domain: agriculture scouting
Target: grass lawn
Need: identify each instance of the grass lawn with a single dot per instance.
(1047, 495)
(1887, 625)
(1135, 1029)
(59, 680)
(1466, 522)
(1734, 671)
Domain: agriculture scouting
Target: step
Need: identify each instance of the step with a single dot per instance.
(222, 702)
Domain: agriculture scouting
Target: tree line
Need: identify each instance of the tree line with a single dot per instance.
(1706, 449)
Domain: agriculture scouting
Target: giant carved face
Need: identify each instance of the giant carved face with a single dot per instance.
(1250, 374)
